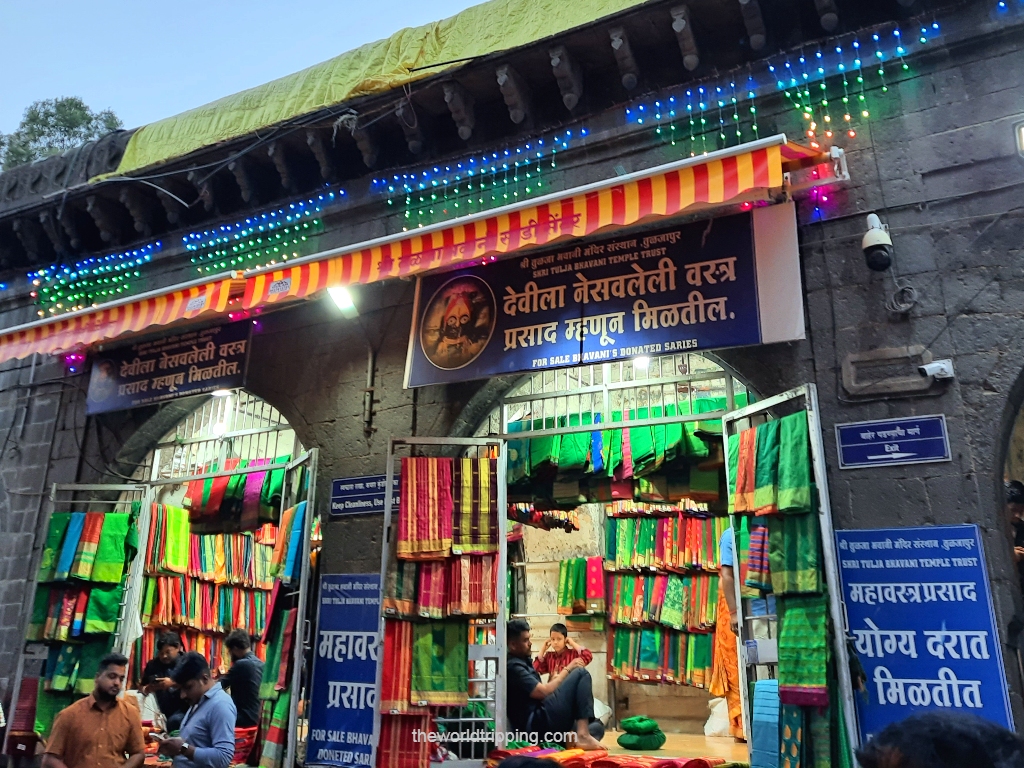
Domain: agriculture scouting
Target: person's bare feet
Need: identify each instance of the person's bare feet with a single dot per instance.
(587, 742)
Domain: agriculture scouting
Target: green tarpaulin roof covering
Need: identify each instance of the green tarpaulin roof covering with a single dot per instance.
(373, 68)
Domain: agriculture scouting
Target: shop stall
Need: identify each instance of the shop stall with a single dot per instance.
(217, 537)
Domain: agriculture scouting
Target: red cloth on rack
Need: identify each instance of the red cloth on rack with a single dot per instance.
(397, 749)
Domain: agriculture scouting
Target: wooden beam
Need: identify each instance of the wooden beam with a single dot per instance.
(53, 230)
(462, 107)
(514, 92)
(241, 169)
(683, 28)
(828, 13)
(282, 162)
(204, 189)
(143, 209)
(411, 126)
(754, 22)
(628, 70)
(317, 145)
(104, 214)
(568, 75)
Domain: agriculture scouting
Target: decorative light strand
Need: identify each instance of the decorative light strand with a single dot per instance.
(68, 287)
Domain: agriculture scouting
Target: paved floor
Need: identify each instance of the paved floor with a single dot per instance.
(687, 745)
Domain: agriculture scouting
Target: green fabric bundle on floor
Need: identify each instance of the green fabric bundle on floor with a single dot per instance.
(641, 733)
(639, 725)
(647, 742)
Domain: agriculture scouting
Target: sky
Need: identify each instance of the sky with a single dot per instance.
(150, 59)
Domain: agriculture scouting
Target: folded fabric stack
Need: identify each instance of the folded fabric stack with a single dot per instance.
(764, 746)
(661, 656)
(641, 733)
(680, 602)
(674, 541)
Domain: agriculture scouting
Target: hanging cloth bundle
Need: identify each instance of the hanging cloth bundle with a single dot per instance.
(397, 666)
(475, 506)
(794, 464)
(51, 548)
(425, 509)
(803, 650)
(110, 552)
(70, 546)
(440, 663)
(766, 472)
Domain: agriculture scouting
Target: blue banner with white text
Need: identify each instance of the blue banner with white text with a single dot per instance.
(920, 610)
(657, 291)
(345, 671)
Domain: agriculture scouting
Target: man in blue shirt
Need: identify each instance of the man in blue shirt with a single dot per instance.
(207, 735)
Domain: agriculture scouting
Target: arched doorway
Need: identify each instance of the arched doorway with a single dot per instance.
(656, 387)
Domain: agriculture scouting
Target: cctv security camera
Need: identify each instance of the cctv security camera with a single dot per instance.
(937, 369)
(877, 245)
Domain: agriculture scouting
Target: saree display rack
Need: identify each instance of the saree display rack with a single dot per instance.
(785, 545)
(199, 581)
(444, 571)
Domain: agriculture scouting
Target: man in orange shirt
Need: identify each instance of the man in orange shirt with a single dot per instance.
(99, 731)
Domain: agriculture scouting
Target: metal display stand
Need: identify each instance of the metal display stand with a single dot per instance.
(732, 423)
(493, 656)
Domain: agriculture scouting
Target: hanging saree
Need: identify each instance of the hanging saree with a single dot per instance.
(794, 553)
(40, 609)
(595, 585)
(440, 664)
(271, 491)
(275, 732)
(766, 471)
(425, 509)
(574, 447)
(70, 546)
(176, 542)
(78, 619)
(104, 609)
(51, 548)
(110, 553)
(803, 650)
(397, 748)
(793, 726)
(400, 587)
(517, 467)
(758, 572)
(475, 506)
(430, 600)
(794, 464)
(746, 468)
(725, 674)
(397, 666)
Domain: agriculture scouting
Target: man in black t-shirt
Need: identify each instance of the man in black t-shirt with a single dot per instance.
(242, 681)
(564, 704)
(156, 679)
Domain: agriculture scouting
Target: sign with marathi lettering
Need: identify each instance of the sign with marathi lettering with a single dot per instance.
(361, 495)
(725, 282)
(907, 440)
(345, 671)
(190, 363)
(920, 610)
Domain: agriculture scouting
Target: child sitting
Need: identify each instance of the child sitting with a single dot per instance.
(558, 651)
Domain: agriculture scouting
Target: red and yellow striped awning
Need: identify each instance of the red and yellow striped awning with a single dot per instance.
(91, 326)
(749, 172)
(746, 172)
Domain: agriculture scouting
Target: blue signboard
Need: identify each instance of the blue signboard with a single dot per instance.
(361, 495)
(672, 289)
(345, 671)
(189, 363)
(910, 440)
(920, 610)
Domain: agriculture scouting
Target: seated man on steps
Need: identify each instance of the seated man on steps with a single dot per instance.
(563, 705)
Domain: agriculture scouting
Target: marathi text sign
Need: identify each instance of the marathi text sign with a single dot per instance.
(920, 611)
(192, 363)
(361, 495)
(687, 287)
(345, 671)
